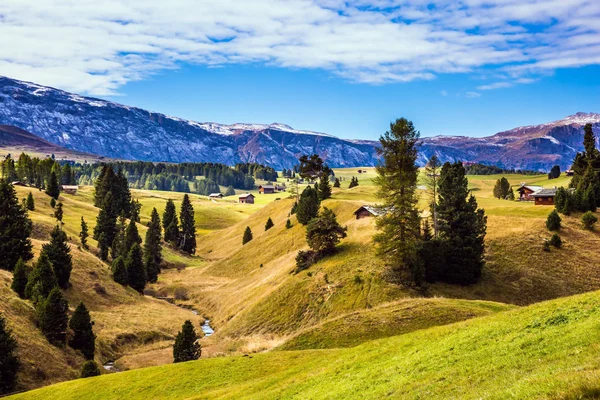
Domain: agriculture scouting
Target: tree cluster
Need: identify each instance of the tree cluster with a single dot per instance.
(353, 182)
(482, 169)
(503, 190)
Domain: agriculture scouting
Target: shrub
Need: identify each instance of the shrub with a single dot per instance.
(553, 221)
(89, 369)
(589, 219)
(556, 241)
(52, 202)
(288, 224)
(305, 259)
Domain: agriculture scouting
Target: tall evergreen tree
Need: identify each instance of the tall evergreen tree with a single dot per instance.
(324, 186)
(170, 223)
(186, 347)
(153, 247)
(132, 235)
(83, 235)
(188, 226)
(52, 188)
(106, 226)
(19, 282)
(53, 318)
(41, 280)
(89, 369)
(462, 226)
(59, 254)
(399, 228)
(30, 203)
(58, 213)
(247, 235)
(83, 334)
(9, 362)
(119, 271)
(136, 273)
(336, 183)
(269, 224)
(308, 206)
(15, 228)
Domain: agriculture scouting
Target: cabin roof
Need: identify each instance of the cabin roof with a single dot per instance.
(215, 195)
(70, 187)
(545, 193)
(373, 210)
(267, 187)
(242, 196)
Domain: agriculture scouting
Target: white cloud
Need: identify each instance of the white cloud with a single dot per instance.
(472, 95)
(96, 47)
(444, 93)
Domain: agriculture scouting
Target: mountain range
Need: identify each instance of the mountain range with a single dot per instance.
(113, 130)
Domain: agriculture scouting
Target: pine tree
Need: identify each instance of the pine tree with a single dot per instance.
(153, 247)
(247, 235)
(53, 318)
(52, 188)
(462, 226)
(324, 186)
(336, 183)
(136, 207)
(308, 206)
(83, 335)
(186, 347)
(19, 282)
(83, 235)
(30, 203)
(9, 362)
(324, 232)
(288, 224)
(136, 273)
(59, 254)
(118, 246)
(132, 236)
(553, 221)
(15, 228)
(399, 229)
(52, 202)
(58, 213)
(41, 280)
(188, 226)
(89, 369)
(353, 182)
(170, 223)
(119, 271)
(589, 220)
(269, 224)
(106, 227)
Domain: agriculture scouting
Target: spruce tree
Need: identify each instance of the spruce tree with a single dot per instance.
(58, 213)
(269, 224)
(106, 227)
(308, 206)
(41, 280)
(553, 221)
(399, 229)
(83, 235)
(118, 246)
(19, 282)
(170, 223)
(119, 271)
(186, 347)
(136, 273)
(132, 236)
(153, 247)
(462, 226)
(83, 338)
(53, 318)
(324, 186)
(188, 226)
(288, 224)
(89, 369)
(324, 232)
(30, 203)
(336, 183)
(59, 254)
(15, 228)
(247, 235)
(9, 362)
(52, 188)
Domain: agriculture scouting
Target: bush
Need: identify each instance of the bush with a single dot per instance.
(553, 221)
(52, 202)
(546, 246)
(288, 224)
(555, 241)
(589, 219)
(305, 259)
(89, 369)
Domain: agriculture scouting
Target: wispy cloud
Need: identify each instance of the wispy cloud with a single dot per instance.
(96, 47)
(472, 95)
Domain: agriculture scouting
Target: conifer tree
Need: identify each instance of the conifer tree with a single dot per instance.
(52, 188)
(9, 362)
(269, 224)
(136, 207)
(59, 254)
(89, 369)
(58, 213)
(83, 335)
(399, 229)
(324, 232)
(83, 235)
(41, 280)
(230, 191)
(188, 226)
(53, 318)
(153, 247)
(553, 221)
(324, 186)
(132, 236)
(136, 273)
(52, 202)
(119, 271)
(336, 183)
(19, 282)
(308, 206)
(288, 224)
(247, 235)
(30, 203)
(15, 228)
(170, 223)
(186, 347)
(118, 247)
(106, 227)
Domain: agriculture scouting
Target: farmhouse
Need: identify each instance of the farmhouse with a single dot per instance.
(215, 196)
(544, 197)
(525, 192)
(266, 189)
(367, 211)
(70, 189)
(247, 198)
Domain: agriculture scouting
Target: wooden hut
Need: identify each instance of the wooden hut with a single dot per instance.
(526, 191)
(266, 189)
(70, 189)
(544, 197)
(247, 198)
(215, 196)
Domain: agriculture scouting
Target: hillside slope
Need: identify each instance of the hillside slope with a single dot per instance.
(547, 350)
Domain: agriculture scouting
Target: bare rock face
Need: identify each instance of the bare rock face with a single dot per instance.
(113, 130)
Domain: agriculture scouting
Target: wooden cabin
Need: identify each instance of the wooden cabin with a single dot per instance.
(544, 197)
(569, 172)
(215, 196)
(526, 191)
(266, 189)
(367, 211)
(247, 198)
(70, 189)
(18, 183)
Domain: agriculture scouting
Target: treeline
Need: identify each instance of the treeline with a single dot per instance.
(482, 169)
(35, 171)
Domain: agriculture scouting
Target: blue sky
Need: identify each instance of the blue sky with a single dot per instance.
(345, 67)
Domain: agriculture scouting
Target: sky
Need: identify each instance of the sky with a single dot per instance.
(348, 68)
